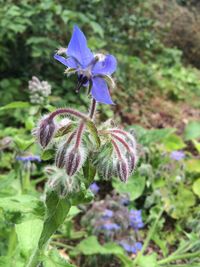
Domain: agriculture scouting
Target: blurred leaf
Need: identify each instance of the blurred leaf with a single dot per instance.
(196, 145)
(23, 144)
(196, 187)
(192, 130)
(28, 234)
(17, 104)
(193, 165)
(149, 260)
(134, 187)
(53, 259)
(173, 142)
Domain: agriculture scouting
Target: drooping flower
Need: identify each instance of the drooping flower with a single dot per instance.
(91, 69)
(109, 226)
(177, 155)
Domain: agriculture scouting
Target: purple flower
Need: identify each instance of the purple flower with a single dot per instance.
(94, 188)
(107, 213)
(109, 226)
(29, 158)
(131, 248)
(135, 217)
(177, 155)
(91, 69)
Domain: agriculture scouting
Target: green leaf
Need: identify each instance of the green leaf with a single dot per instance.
(28, 234)
(173, 142)
(17, 104)
(134, 187)
(53, 259)
(193, 165)
(196, 187)
(89, 172)
(192, 130)
(22, 204)
(57, 209)
(47, 154)
(149, 260)
(93, 131)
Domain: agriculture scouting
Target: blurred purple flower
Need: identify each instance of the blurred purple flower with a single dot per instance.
(131, 248)
(94, 188)
(109, 226)
(89, 67)
(29, 158)
(107, 213)
(177, 155)
(135, 217)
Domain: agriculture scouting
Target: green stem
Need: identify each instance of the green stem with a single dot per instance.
(148, 238)
(179, 257)
(61, 245)
(11, 242)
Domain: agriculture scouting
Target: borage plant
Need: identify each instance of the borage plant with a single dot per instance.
(82, 148)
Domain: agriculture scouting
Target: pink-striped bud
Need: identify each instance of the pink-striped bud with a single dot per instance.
(74, 161)
(123, 170)
(61, 155)
(46, 131)
(132, 160)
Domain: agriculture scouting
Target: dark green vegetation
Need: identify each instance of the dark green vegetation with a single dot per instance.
(157, 95)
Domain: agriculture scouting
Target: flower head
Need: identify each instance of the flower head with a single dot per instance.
(91, 68)
(177, 155)
(135, 217)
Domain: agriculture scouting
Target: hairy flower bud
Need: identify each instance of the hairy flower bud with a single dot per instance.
(132, 160)
(123, 170)
(46, 131)
(74, 161)
(61, 155)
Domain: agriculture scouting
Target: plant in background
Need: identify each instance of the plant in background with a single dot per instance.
(80, 144)
(112, 219)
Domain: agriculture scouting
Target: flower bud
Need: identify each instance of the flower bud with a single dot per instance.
(131, 161)
(46, 131)
(123, 170)
(61, 156)
(74, 161)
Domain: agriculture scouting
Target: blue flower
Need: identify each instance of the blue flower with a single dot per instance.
(91, 69)
(135, 217)
(131, 248)
(110, 226)
(29, 158)
(94, 188)
(177, 155)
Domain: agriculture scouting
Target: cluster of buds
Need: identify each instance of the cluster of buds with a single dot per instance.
(122, 157)
(39, 91)
(116, 157)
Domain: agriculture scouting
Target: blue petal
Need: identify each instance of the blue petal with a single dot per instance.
(100, 91)
(78, 49)
(106, 67)
(68, 62)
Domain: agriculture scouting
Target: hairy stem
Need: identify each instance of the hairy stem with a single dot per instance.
(70, 111)
(180, 257)
(92, 108)
(79, 134)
